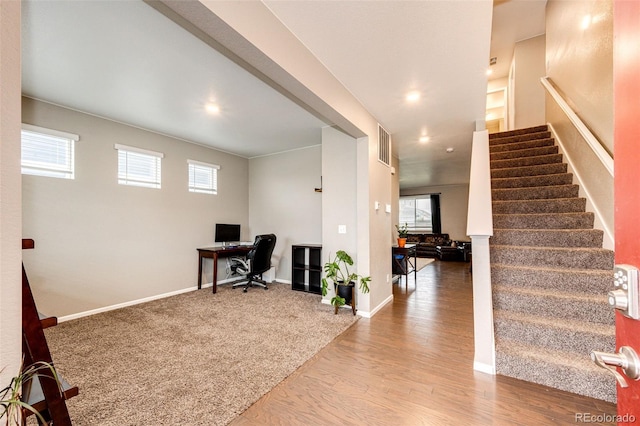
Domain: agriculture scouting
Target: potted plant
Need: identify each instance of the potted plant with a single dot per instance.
(11, 404)
(344, 281)
(402, 234)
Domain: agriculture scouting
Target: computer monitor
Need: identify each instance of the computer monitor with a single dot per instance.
(226, 233)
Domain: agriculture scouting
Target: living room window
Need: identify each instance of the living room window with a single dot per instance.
(47, 152)
(139, 167)
(421, 212)
(203, 177)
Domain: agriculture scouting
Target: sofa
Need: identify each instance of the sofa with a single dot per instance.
(426, 243)
(458, 250)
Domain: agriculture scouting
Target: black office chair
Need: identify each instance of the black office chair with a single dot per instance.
(257, 262)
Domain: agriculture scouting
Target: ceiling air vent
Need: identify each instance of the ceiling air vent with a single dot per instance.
(384, 146)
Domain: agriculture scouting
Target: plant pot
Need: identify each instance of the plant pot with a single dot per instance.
(347, 293)
(402, 242)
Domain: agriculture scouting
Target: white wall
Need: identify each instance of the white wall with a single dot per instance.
(10, 224)
(529, 94)
(580, 60)
(99, 243)
(283, 201)
(454, 201)
(580, 66)
(339, 194)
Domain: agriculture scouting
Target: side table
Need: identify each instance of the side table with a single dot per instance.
(404, 261)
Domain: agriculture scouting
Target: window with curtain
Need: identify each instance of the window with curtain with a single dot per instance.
(203, 177)
(47, 152)
(421, 213)
(139, 167)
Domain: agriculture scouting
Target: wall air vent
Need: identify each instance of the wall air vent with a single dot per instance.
(384, 146)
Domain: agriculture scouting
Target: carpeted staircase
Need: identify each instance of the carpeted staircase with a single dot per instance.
(550, 274)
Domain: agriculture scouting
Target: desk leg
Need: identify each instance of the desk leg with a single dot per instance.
(215, 273)
(199, 271)
(415, 268)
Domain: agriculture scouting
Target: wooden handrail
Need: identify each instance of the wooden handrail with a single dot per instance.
(592, 141)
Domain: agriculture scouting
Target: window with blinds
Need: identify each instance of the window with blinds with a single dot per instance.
(421, 213)
(47, 152)
(203, 177)
(139, 167)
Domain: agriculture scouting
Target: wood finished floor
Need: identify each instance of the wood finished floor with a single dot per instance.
(412, 364)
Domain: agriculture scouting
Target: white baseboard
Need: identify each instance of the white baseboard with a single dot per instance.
(377, 308)
(130, 303)
(149, 299)
(484, 368)
(364, 314)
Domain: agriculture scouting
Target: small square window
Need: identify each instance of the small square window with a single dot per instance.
(203, 177)
(139, 167)
(47, 152)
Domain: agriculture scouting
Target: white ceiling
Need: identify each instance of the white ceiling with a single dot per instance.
(127, 62)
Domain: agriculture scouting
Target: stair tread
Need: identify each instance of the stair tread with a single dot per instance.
(525, 144)
(543, 237)
(536, 160)
(555, 368)
(551, 356)
(558, 323)
(567, 249)
(607, 272)
(540, 292)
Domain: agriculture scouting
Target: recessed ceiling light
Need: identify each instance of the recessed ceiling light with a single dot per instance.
(449, 150)
(424, 139)
(489, 71)
(212, 108)
(413, 96)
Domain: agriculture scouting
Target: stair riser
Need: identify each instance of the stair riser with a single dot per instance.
(533, 181)
(519, 138)
(520, 153)
(535, 193)
(548, 238)
(575, 309)
(508, 133)
(543, 221)
(559, 339)
(552, 257)
(564, 205)
(545, 169)
(593, 282)
(570, 379)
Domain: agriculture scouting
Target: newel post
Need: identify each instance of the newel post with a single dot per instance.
(480, 228)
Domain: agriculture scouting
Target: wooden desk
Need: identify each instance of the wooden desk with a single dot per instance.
(215, 253)
(402, 264)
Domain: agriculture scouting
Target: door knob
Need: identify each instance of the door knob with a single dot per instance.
(626, 359)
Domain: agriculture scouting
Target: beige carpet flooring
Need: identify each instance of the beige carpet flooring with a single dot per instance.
(191, 359)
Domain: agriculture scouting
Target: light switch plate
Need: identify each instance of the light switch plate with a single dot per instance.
(342, 229)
